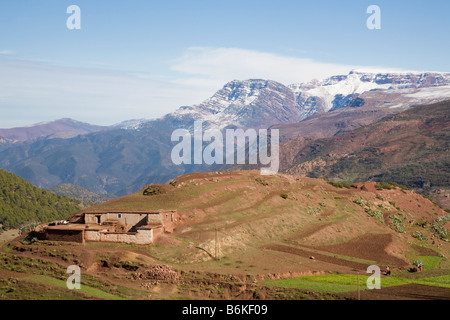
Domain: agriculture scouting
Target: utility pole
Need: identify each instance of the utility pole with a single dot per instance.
(217, 245)
(359, 292)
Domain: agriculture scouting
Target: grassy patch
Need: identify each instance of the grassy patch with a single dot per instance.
(25, 290)
(335, 282)
(339, 216)
(349, 282)
(314, 283)
(429, 262)
(440, 281)
(93, 292)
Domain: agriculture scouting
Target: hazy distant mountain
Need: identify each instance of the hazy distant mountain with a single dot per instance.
(63, 128)
(126, 157)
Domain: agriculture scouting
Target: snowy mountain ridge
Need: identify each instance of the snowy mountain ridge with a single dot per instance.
(260, 103)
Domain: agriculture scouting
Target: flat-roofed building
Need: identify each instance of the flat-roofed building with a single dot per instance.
(134, 227)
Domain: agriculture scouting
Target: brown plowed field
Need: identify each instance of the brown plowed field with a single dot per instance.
(368, 246)
(320, 257)
(403, 292)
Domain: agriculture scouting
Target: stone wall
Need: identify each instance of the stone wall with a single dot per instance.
(140, 237)
(92, 235)
(169, 220)
(127, 219)
(65, 235)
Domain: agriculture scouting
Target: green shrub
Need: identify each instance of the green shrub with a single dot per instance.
(398, 223)
(439, 231)
(377, 214)
(261, 181)
(284, 196)
(312, 211)
(386, 185)
(418, 235)
(152, 190)
(340, 184)
(443, 219)
(359, 201)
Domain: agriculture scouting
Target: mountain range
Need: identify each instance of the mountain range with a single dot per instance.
(410, 148)
(123, 158)
(63, 128)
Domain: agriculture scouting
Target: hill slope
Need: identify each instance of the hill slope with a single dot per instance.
(251, 216)
(410, 148)
(237, 235)
(79, 193)
(21, 202)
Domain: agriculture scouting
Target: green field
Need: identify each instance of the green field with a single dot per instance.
(349, 282)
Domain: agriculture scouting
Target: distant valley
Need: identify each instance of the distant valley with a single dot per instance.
(76, 192)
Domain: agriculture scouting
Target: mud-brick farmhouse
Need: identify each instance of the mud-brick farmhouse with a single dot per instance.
(133, 227)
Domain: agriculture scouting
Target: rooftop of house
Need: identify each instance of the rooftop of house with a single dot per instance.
(127, 212)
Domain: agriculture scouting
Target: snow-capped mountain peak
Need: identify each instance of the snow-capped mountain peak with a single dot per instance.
(258, 103)
(347, 90)
(254, 102)
(133, 124)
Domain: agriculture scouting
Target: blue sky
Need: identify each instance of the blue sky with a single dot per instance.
(143, 59)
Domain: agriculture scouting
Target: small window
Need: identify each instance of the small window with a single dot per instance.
(120, 216)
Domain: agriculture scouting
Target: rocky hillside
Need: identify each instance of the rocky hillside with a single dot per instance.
(324, 125)
(410, 148)
(244, 104)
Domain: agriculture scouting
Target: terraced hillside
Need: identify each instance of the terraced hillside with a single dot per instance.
(248, 236)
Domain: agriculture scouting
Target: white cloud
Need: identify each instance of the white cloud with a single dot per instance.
(32, 91)
(226, 64)
(209, 67)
